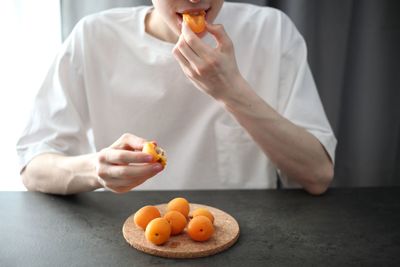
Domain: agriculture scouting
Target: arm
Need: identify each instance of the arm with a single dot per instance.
(294, 151)
(214, 71)
(119, 168)
(58, 174)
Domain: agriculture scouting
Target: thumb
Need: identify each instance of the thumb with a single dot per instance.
(129, 142)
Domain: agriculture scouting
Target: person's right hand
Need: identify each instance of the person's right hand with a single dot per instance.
(122, 166)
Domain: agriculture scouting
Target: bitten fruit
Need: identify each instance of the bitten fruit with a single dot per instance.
(157, 152)
(196, 21)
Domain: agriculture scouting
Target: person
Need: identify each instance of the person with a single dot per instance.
(234, 107)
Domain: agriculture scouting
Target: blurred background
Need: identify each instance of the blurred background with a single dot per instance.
(353, 51)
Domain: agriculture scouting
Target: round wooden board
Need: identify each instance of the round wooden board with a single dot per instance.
(181, 246)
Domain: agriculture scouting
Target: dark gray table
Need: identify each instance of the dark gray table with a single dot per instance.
(345, 227)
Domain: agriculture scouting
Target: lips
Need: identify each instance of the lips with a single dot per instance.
(196, 11)
(196, 21)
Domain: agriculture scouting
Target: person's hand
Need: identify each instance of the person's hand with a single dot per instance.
(122, 166)
(212, 70)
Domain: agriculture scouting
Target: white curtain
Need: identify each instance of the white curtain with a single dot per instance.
(30, 36)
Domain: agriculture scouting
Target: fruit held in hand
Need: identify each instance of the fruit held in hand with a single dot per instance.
(196, 21)
(204, 212)
(158, 231)
(179, 204)
(157, 152)
(200, 228)
(176, 220)
(144, 215)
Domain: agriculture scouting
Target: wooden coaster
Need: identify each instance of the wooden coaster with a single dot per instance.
(181, 246)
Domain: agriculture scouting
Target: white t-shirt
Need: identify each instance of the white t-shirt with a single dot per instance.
(111, 77)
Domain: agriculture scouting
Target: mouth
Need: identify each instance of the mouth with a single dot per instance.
(196, 11)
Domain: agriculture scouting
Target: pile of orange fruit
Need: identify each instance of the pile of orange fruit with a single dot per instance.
(158, 229)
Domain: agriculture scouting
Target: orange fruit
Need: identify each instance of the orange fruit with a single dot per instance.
(204, 212)
(157, 152)
(144, 215)
(158, 231)
(179, 204)
(176, 220)
(196, 21)
(200, 228)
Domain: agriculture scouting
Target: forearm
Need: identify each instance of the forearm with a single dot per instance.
(214, 71)
(57, 174)
(293, 150)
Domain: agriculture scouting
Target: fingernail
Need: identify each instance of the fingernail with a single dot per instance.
(149, 158)
(157, 167)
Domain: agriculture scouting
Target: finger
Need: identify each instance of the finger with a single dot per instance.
(193, 41)
(120, 189)
(123, 157)
(125, 189)
(188, 52)
(220, 35)
(124, 183)
(183, 62)
(128, 171)
(129, 141)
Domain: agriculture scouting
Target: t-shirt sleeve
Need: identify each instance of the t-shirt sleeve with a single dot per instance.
(59, 120)
(299, 100)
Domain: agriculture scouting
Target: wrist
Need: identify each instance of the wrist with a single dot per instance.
(93, 178)
(83, 175)
(238, 95)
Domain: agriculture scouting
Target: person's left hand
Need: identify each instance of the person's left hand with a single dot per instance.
(212, 70)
